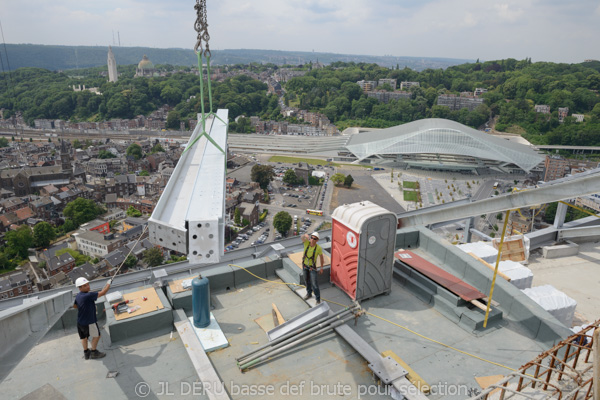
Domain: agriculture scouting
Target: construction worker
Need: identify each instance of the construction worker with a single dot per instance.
(87, 322)
(309, 265)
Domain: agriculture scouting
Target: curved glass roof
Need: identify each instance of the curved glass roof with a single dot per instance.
(441, 136)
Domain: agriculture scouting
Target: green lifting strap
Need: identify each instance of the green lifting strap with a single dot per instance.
(211, 113)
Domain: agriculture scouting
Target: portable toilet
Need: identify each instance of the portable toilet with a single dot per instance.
(362, 249)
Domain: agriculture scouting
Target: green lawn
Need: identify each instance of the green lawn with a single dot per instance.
(409, 195)
(410, 184)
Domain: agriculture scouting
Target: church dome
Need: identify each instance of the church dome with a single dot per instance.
(145, 63)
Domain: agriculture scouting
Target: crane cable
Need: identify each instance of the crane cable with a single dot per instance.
(388, 321)
(202, 50)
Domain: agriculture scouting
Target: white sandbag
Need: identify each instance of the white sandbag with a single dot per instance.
(554, 301)
(520, 276)
(480, 249)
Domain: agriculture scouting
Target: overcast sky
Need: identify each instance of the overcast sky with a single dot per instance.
(545, 30)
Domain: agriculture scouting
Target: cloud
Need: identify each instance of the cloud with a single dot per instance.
(508, 13)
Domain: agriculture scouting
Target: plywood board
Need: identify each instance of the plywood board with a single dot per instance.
(297, 259)
(280, 319)
(265, 322)
(152, 303)
(486, 381)
(513, 250)
(176, 286)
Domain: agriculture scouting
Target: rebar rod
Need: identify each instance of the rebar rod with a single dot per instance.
(296, 331)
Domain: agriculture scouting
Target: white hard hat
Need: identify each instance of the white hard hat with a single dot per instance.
(81, 281)
(315, 234)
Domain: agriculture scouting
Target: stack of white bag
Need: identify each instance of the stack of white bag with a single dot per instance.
(520, 276)
(482, 250)
(561, 306)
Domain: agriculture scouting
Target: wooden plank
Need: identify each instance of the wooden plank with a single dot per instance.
(211, 383)
(280, 319)
(265, 322)
(176, 286)
(490, 266)
(413, 377)
(152, 303)
(438, 275)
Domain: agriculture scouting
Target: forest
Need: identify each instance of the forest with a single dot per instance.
(514, 87)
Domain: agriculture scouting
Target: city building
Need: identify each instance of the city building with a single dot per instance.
(145, 68)
(407, 85)
(455, 102)
(385, 97)
(563, 112)
(249, 211)
(367, 86)
(15, 285)
(578, 117)
(95, 244)
(63, 263)
(441, 144)
(542, 108)
(479, 91)
(112, 66)
(392, 82)
(555, 167)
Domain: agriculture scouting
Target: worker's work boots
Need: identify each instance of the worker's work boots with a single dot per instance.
(96, 354)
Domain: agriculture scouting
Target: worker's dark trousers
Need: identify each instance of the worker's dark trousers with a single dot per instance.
(310, 280)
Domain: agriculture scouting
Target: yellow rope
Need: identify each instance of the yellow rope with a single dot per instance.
(388, 321)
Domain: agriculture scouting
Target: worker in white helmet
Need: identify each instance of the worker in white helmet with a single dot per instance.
(87, 322)
(309, 265)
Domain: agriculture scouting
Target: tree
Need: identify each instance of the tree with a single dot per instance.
(19, 241)
(82, 210)
(130, 262)
(4, 142)
(262, 174)
(80, 259)
(157, 148)
(43, 234)
(338, 178)
(173, 120)
(290, 177)
(144, 173)
(282, 222)
(103, 154)
(135, 150)
(348, 181)
(153, 257)
(133, 212)
(237, 216)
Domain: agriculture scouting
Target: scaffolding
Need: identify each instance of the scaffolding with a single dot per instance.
(563, 372)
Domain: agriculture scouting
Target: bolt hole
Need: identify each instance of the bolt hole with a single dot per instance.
(199, 225)
(174, 244)
(195, 236)
(210, 236)
(195, 253)
(227, 288)
(160, 239)
(208, 256)
(208, 225)
(211, 252)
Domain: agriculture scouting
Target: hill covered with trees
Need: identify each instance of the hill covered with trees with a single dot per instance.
(514, 88)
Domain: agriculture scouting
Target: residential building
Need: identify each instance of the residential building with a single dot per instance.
(555, 167)
(479, 91)
(15, 284)
(578, 117)
(63, 263)
(392, 82)
(542, 108)
(95, 244)
(563, 112)
(407, 85)
(367, 86)
(385, 97)
(303, 171)
(455, 102)
(249, 211)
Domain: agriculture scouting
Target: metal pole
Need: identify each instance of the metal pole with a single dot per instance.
(596, 350)
(293, 343)
(295, 337)
(489, 303)
(297, 331)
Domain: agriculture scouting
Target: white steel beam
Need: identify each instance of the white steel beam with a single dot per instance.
(190, 214)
